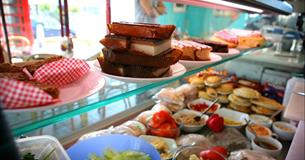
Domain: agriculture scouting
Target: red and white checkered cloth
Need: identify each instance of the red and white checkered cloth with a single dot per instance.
(61, 72)
(16, 94)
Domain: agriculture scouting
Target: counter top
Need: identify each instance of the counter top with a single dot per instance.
(295, 107)
(269, 58)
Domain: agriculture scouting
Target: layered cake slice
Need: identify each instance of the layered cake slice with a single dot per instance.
(151, 47)
(192, 50)
(216, 46)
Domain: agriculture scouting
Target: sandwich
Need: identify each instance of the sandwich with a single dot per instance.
(14, 71)
(138, 50)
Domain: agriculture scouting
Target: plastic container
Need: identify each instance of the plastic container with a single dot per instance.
(41, 146)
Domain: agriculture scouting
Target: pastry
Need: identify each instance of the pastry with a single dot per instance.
(216, 46)
(248, 38)
(162, 60)
(268, 103)
(150, 47)
(197, 81)
(212, 81)
(138, 50)
(246, 93)
(141, 30)
(204, 95)
(211, 92)
(239, 108)
(223, 99)
(225, 89)
(262, 110)
(239, 100)
(227, 37)
(131, 70)
(192, 50)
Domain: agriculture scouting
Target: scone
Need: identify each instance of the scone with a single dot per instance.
(211, 92)
(239, 100)
(212, 81)
(247, 93)
(223, 99)
(239, 108)
(197, 81)
(204, 95)
(225, 89)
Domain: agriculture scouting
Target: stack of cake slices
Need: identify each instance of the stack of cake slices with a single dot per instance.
(138, 50)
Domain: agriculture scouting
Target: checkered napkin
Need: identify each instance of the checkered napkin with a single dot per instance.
(16, 94)
(61, 72)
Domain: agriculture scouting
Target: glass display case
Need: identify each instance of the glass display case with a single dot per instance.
(106, 101)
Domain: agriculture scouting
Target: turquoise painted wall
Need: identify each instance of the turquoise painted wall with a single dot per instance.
(200, 22)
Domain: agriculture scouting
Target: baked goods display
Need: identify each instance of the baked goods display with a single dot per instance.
(237, 94)
(138, 50)
(192, 50)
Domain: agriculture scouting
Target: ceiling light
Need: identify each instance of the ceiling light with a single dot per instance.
(234, 5)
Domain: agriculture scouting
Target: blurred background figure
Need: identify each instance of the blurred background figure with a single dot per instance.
(148, 10)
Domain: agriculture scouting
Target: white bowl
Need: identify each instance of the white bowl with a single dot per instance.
(270, 141)
(260, 119)
(232, 115)
(190, 128)
(250, 135)
(284, 130)
(203, 101)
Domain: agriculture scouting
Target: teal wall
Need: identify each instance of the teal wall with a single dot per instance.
(200, 22)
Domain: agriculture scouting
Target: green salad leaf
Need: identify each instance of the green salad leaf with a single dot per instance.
(125, 155)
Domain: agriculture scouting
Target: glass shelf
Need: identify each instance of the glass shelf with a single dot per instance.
(114, 90)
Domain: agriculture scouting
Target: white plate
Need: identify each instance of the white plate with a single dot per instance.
(176, 70)
(232, 52)
(82, 88)
(234, 116)
(197, 64)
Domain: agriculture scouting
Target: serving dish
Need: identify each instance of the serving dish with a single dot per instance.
(97, 145)
(175, 71)
(233, 118)
(261, 119)
(201, 104)
(190, 118)
(89, 84)
(284, 130)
